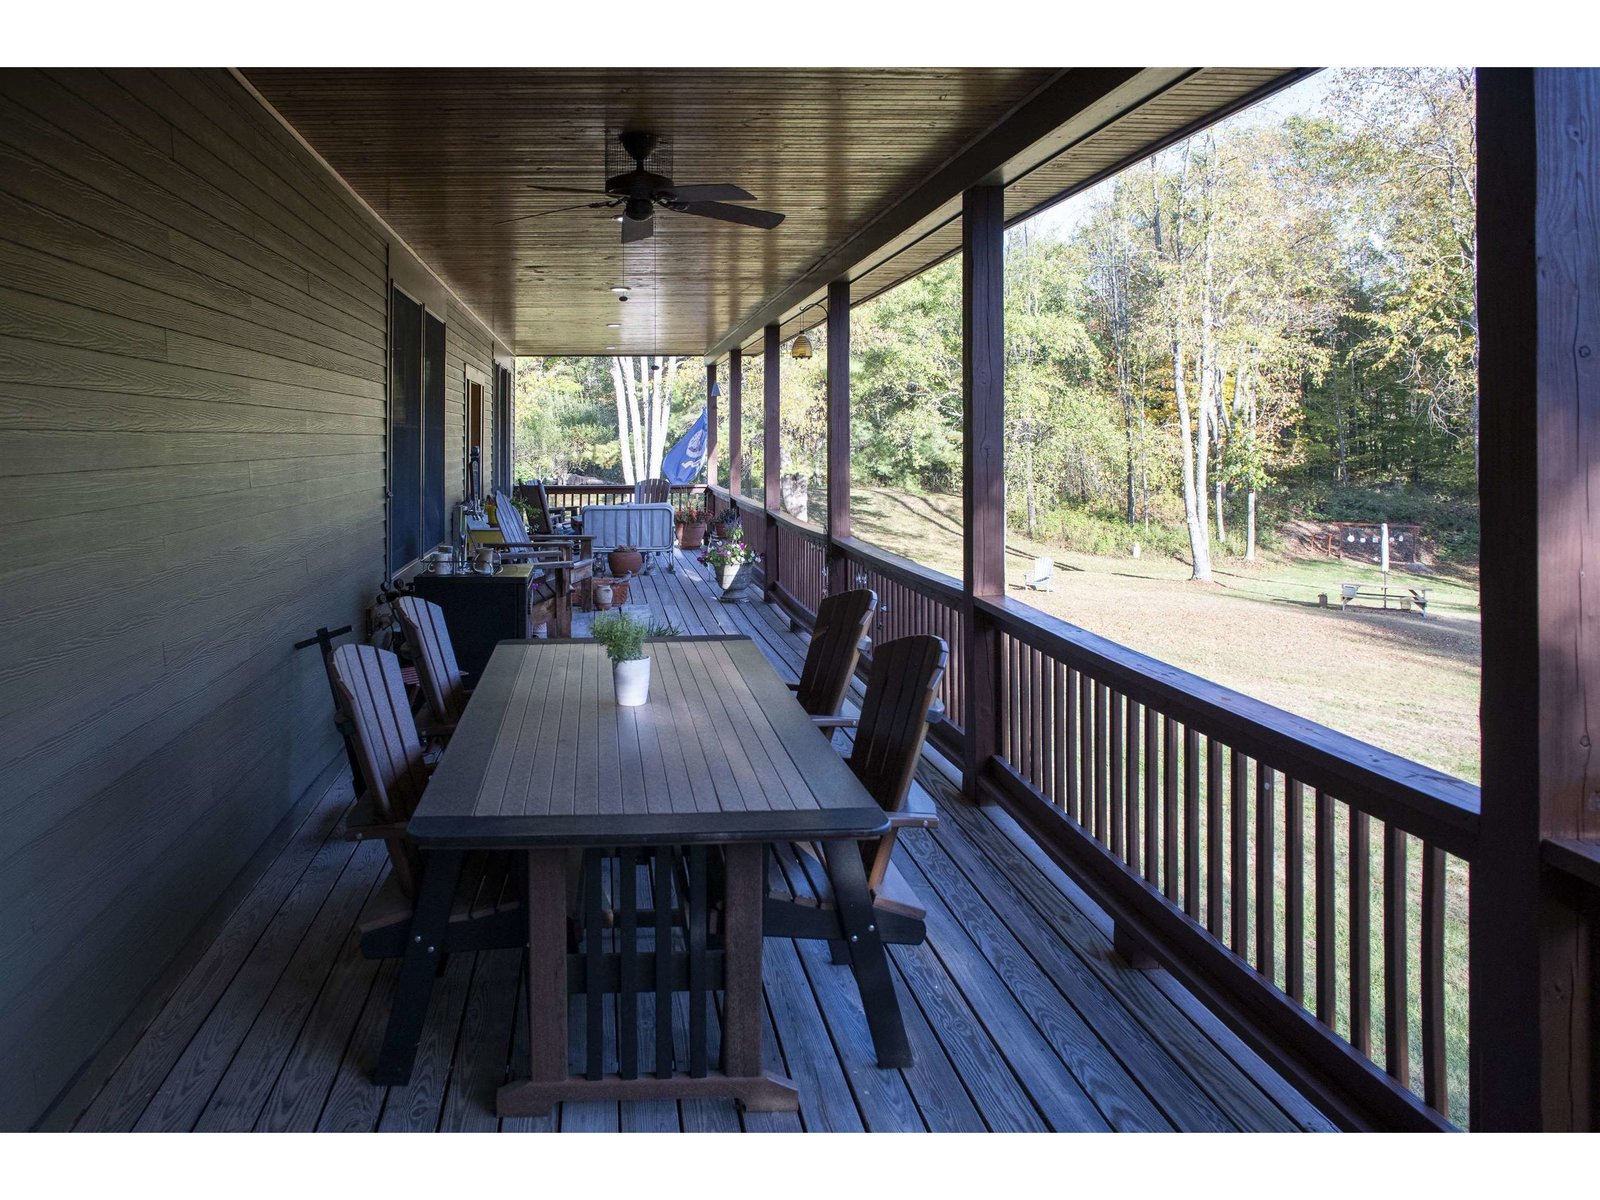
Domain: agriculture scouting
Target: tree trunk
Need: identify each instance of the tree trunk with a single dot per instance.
(1222, 531)
(1027, 466)
(1250, 527)
(1199, 549)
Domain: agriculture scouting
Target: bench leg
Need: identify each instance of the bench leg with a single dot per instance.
(440, 873)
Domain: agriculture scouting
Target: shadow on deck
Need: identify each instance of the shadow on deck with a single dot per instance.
(1020, 1015)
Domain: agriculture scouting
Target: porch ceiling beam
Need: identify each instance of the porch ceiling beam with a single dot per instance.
(1072, 104)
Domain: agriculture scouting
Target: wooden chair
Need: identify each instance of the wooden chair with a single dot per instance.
(652, 491)
(567, 559)
(442, 683)
(900, 701)
(519, 544)
(486, 913)
(842, 622)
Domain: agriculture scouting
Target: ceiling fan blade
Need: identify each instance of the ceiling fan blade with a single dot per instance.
(760, 218)
(565, 191)
(637, 231)
(546, 212)
(707, 191)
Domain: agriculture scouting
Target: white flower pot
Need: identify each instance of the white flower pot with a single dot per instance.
(632, 681)
(731, 578)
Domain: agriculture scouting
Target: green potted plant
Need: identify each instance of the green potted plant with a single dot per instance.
(731, 561)
(624, 636)
(691, 528)
(625, 560)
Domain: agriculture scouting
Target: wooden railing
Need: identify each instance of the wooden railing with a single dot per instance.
(578, 495)
(1274, 865)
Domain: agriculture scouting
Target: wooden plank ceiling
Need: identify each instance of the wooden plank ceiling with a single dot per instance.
(447, 157)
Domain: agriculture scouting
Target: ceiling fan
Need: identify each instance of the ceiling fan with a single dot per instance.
(640, 193)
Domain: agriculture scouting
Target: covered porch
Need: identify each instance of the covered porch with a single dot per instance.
(1021, 1015)
(255, 325)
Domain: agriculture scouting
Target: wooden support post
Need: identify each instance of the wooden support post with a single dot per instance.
(1531, 999)
(711, 422)
(735, 422)
(772, 492)
(983, 464)
(838, 432)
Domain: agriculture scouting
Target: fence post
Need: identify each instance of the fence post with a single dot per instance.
(983, 466)
(772, 492)
(735, 422)
(711, 422)
(838, 434)
(1532, 970)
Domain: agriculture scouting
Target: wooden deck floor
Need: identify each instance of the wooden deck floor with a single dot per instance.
(1019, 1014)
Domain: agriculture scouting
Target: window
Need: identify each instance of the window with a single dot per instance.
(502, 428)
(416, 515)
(405, 430)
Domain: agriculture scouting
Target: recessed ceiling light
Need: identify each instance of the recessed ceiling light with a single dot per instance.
(610, 347)
(614, 325)
(616, 218)
(619, 289)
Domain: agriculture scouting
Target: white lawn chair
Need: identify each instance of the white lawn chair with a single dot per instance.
(1042, 577)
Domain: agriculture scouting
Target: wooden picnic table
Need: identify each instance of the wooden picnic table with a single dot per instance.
(689, 789)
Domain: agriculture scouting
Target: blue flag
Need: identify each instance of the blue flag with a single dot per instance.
(683, 462)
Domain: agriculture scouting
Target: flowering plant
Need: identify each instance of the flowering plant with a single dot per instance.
(692, 516)
(732, 552)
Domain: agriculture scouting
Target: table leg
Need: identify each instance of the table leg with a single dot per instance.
(441, 870)
(741, 962)
(868, 960)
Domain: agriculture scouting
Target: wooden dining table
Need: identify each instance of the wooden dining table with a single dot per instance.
(644, 834)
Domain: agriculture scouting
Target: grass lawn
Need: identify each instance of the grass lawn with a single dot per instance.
(1395, 680)
(1392, 679)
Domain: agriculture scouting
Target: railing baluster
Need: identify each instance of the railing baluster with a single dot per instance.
(1101, 766)
(1111, 835)
(1435, 1081)
(1047, 723)
(1396, 1023)
(1266, 870)
(1294, 917)
(1169, 806)
(1239, 864)
(1360, 933)
(1072, 733)
(1036, 716)
(1130, 776)
(1191, 822)
(1152, 796)
(1322, 849)
(1137, 753)
(1063, 738)
(1086, 753)
(1215, 802)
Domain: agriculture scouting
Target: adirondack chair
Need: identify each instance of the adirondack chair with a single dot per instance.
(545, 519)
(526, 546)
(900, 700)
(567, 559)
(653, 491)
(842, 622)
(1042, 577)
(486, 913)
(437, 671)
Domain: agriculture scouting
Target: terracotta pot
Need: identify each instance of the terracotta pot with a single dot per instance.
(625, 562)
(691, 536)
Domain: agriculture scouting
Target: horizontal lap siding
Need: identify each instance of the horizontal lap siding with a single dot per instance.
(192, 370)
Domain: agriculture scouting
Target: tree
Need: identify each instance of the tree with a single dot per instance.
(642, 390)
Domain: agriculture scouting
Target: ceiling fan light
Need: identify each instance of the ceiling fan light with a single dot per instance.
(801, 347)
